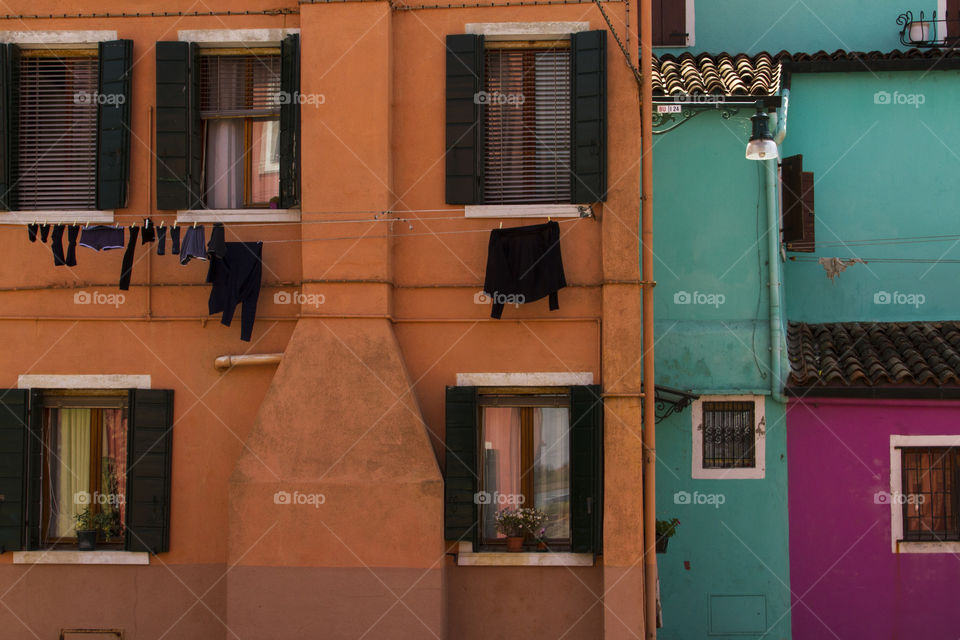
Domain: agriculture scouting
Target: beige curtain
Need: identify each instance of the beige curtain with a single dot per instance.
(70, 469)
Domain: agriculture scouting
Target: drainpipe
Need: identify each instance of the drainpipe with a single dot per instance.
(646, 263)
(773, 262)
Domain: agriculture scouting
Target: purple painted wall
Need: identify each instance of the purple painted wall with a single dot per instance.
(846, 581)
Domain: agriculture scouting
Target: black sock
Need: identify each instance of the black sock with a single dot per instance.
(175, 240)
(126, 267)
(56, 244)
(44, 232)
(32, 232)
(72, 232)
(149, 232)
(161, 240)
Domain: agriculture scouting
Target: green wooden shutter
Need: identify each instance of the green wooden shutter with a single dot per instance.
(464, 130)
(9, 124)
(149, 458)
(14, 410)
(796, 197)
(460, 520)
(588, 112)
(113, 124)
(670, 23)
(179, 141)
(290, 122)
(586, 468)
(34, 472)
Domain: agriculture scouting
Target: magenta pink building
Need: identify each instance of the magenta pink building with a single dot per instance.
(873, 435)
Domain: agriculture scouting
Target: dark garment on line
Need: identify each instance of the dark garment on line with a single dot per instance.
(102, 237)
(161, 240)
(175, 240)
(32, 231)
(149, 233)
(73, 232)
(194, 244)
(217, 247)
(44, 232)
(56, 245)
(236, 280)
(523, 265)
(126, 267)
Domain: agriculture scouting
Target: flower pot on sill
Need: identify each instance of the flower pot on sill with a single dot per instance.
(86, 539)
(542, 546)
(662, 544)
(514, 544)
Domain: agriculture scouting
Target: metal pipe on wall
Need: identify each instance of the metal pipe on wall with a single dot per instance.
(773, 261)
(646, 263)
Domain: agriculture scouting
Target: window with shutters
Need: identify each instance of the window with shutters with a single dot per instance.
(240, 114)
(525, 461)
(84, 465)
(728, 437)
(527, 134)
(673, 23)
(57, 136)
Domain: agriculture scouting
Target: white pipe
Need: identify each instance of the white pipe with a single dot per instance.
(773, 260)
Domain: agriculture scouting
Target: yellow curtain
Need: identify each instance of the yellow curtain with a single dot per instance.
(70, 477)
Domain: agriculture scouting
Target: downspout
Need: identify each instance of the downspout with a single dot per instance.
(773, 262)
(646, 263)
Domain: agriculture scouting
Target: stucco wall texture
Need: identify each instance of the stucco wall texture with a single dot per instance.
(355, 409)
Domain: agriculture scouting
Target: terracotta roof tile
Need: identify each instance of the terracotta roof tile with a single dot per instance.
(874, 353)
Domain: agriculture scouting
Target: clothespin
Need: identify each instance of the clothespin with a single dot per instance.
(194, 224)
(161, 224)
(501, 224)
(548, 219)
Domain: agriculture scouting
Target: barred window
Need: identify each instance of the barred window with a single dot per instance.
(729, 435)
(930, 494)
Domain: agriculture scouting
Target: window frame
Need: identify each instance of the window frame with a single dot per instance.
(897, 543)
(758, 471)
(561, 399)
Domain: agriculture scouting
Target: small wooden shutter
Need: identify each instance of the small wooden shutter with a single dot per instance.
(113, 124)
(149, 456)
(670, 23)
(34, 473)
(14, 412)
(588, 68)
(9, 127)
(953, 22)
(179, 141)
(460, 517)
(464, 128)
(290, 122)
(797, 202)
(586, 468)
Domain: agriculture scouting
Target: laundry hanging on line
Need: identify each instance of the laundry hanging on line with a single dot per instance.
(236, 279)
(102, 237)
(524, 264)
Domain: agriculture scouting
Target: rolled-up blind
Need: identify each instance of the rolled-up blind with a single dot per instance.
(239, 85)
(527, 128)
(57, 144)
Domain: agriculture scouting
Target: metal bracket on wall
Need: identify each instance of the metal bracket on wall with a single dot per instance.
(670, 401)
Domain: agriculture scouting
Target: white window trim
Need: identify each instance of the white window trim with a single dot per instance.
(81, 557)
(216, 38)
(690, 20)
(527, 30)
(57, 217)
(525, 379)
(238, 215)
(62, 39)
(523, 210)
(466, 557)
(760, 436)
(896, 489)
(107, 381)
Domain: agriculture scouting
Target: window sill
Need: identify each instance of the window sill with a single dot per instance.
(81, 557)
(523, 210)
(468, 558)
(56, 217)
(952, 547)
(238, 215)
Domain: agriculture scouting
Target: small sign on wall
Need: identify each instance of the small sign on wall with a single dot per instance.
(669, 108)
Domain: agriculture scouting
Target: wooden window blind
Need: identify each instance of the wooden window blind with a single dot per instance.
(930, 496)
(527, 126)
(58, 132)
(240, 85)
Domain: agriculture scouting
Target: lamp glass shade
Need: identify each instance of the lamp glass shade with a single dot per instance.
(761, 149)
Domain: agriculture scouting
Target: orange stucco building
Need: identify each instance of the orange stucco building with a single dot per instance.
(303, 495)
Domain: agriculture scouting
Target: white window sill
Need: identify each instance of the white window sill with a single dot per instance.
(468, 558)
(81, 557)
(238, 215)
(56, 217)
(952, 548)
(524, 210)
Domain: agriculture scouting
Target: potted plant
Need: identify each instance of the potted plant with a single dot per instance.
(89, 525)
(516, 523)
(666, 529)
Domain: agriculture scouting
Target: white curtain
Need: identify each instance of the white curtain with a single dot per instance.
(69, 468)
(224, 163)
(551, 468)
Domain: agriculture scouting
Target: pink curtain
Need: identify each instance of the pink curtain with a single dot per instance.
(114, 467)
(501, 463)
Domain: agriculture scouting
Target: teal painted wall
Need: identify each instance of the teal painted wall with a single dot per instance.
(748, 26)
(712, 332)
(738, 548)
(881, 171)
